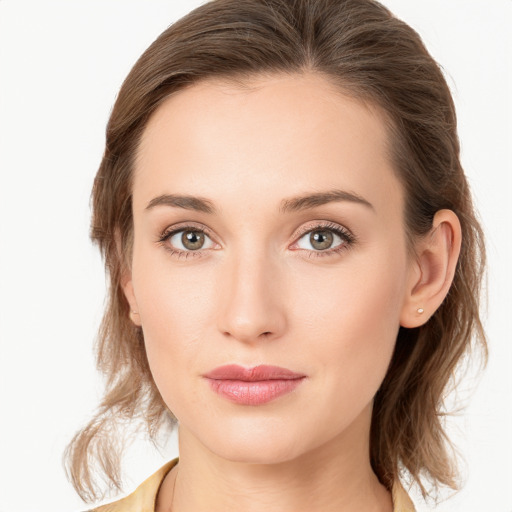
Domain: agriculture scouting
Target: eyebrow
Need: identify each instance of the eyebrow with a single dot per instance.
(292, 204)
(313, 200)
(199, 204)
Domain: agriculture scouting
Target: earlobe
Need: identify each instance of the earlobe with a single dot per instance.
(434, 269)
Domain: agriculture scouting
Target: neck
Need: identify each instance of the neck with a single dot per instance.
(334, 477)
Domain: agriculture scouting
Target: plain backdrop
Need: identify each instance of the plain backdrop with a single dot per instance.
(61, 65)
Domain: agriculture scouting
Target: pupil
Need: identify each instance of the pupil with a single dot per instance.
(321, 239)
(192, 240)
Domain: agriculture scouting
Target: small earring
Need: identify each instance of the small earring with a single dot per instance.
(420, 311)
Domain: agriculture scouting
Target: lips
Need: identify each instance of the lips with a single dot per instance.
(252, 386)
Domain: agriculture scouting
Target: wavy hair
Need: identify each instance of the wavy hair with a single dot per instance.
(372, 56)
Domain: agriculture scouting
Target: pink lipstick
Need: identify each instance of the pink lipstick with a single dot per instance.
(252, 386)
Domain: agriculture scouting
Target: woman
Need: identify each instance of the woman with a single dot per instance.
(295, 262)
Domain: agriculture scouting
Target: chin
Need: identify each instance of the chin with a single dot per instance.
(258, 452)
(254, 443)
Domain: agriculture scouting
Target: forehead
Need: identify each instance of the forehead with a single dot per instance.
(268, 137)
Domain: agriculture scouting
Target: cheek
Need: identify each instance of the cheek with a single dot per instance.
(353, 317)
(175, 304)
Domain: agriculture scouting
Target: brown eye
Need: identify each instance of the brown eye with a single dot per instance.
(325, 239)
(192, 240)
(188, 240)
(321, 240)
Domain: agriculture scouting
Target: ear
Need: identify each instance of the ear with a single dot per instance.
(127, 282)
(432, 273)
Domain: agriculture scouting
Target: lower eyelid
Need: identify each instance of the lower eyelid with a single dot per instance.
(184, 254)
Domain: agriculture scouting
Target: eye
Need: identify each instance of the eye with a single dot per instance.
(325, 239)
(189, 239)
(319, 240)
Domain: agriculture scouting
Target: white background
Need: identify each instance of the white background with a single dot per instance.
(61, 65)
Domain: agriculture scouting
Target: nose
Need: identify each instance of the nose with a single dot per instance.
(251, 300)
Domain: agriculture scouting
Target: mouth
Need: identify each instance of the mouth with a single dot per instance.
(252, 386)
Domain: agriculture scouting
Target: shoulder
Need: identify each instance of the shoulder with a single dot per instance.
(143, 498)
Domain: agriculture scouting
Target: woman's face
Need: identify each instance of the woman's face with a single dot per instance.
(268, 231)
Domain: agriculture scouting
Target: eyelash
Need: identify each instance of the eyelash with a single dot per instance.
(348, 239)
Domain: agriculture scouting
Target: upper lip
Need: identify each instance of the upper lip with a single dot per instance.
(257, 373)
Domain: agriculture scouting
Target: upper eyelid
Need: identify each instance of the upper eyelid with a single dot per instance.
(334, 226)
(190, 226)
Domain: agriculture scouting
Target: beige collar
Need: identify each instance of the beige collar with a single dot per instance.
(401, 500)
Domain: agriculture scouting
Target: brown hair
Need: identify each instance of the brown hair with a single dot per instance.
(360, 46)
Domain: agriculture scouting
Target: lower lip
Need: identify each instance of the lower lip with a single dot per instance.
(253, 393)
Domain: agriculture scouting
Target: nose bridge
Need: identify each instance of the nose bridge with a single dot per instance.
(251, 299)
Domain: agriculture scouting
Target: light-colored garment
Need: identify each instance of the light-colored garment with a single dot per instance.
(144, 497)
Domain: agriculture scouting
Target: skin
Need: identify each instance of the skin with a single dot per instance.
(258, 292)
